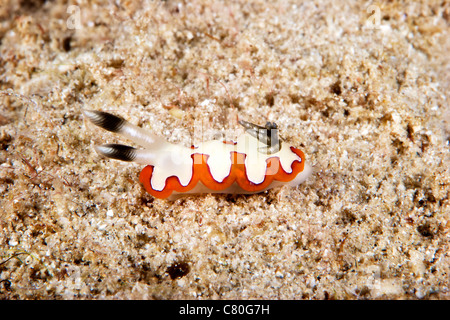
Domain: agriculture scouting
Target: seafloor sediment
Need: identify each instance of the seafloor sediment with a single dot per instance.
(362, 90)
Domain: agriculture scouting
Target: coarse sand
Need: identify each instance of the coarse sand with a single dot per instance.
(361, 87)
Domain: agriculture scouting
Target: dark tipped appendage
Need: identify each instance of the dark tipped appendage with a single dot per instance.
(117, 151)
(267, 135)
(105, 120)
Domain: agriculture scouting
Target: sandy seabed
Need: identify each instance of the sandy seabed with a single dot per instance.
(362, 88)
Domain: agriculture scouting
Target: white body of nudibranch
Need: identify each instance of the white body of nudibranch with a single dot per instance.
(256, 162)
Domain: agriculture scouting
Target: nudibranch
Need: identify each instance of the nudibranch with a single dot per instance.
(256, 162)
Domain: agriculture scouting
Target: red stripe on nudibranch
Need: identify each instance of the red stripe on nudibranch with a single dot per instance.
(201, 172)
